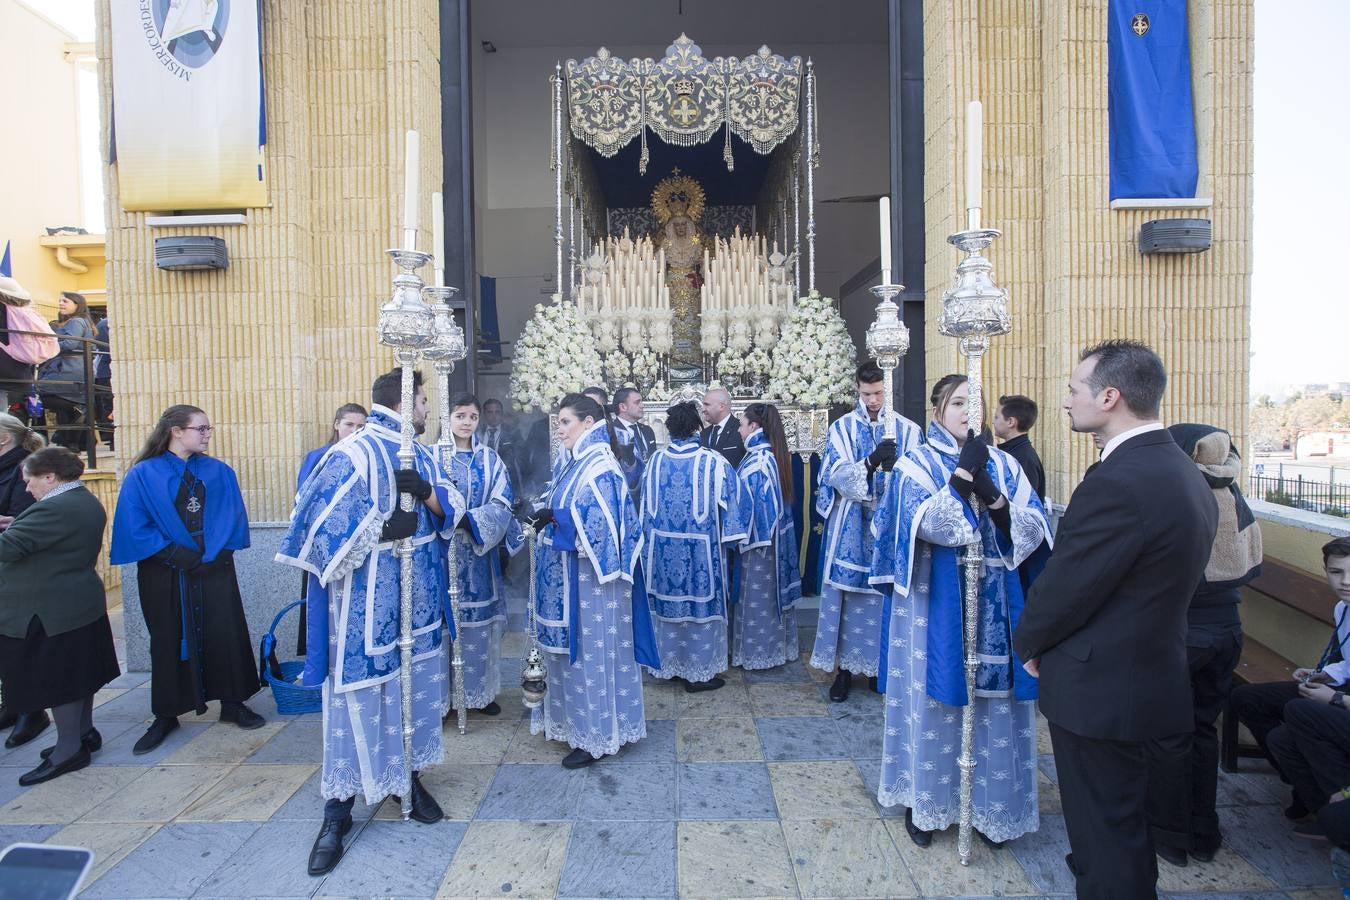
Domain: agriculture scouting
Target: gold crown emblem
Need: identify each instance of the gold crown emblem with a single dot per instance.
(683, 86)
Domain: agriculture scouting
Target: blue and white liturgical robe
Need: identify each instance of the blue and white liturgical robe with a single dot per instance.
(481, 477)
(591, 617)
(353, 622)
(691, 508)
(920, 528)
(764, 624)
(848, 628)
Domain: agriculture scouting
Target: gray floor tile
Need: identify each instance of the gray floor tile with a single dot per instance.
(639, 791)
(395, 859)
(297, 742)
(544, 791)
(133, 706)
(30, 834)
(605, 860)
(305, 805)
(793, 671)
(9, 782)
(804, 737)
(657, 747)
(860, 702)
(732, 790)
(129, 680)
(117, 752)
(174, 862)
(270, 863)
(1251, 789)
(863, 735)
(1041, 854)
(1264, 837)
(870, 769)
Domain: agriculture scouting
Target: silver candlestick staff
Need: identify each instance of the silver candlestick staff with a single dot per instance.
(408, 326)
(446, 349)
(887, 343)
(974, 310)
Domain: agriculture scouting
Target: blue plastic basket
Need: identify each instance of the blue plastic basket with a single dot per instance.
(292, 699)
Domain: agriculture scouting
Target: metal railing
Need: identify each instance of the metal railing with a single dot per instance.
(1301, 493)
(91, 427)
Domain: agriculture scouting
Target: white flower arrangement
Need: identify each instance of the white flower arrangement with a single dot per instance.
(730, 363)
(646, 366)
(617, 368)
(814, 360)
(758, 361)
(555, 354)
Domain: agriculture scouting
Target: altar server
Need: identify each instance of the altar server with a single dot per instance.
(343, 532)
(180, 517)
(480, 475)
(691, 508)
(764, 626)
(849, 626)
(923, 522)
(591, 616)
(349, 419)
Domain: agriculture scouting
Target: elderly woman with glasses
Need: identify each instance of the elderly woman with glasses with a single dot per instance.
(180, 517)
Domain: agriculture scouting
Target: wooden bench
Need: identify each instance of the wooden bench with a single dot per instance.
(1289, 587)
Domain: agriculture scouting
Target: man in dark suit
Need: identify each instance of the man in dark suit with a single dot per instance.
(502, 438)
(631, 432)
(723, 433)
(1105, 624)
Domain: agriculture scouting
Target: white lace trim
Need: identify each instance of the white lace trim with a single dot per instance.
(479, 699)
(597, 745)
(1026, 533)
(766, 660)
(859, 663)
(365, 541)
(345, 781)
(690, 672)
(850, 480)
(1000, 825)
(944, 522)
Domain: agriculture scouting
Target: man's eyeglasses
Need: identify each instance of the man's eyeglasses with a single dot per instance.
(200, 429)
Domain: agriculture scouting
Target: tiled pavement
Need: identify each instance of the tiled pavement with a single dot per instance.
(761, 789)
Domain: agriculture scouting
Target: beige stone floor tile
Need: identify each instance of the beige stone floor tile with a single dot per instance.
(660, 700)
(222, 745)
(103, 696)
(248, 794)
(939, 872)
(533, 864)
(457, 787)
(775, 699)
(1229, 873)
(1047, 795)
(110, 843)
(820, 790)
(534, 748)
(63, 800)
(846, 858)
(724, 739)
(484, 741)
(733, 859)
(158, 796)
(818, 675)
(731, 700)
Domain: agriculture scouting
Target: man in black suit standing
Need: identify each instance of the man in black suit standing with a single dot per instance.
(503, 439)
(723, 433)
(1105, 624)
(631, 432)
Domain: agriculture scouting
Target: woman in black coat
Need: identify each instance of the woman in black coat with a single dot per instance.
(17, 440)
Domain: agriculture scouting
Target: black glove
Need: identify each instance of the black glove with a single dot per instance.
(962, 486)
(180, 558)
(985, 488)
(626, 455)
(400, 525)
(883, 457)
(540, 517)
(1002, 519)
(409, 482)
(974, 454)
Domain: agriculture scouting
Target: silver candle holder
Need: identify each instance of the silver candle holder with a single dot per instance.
(887, 343)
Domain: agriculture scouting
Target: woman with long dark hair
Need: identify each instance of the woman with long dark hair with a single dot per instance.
(764, 626)
(349, 419)
(61, 380)
(17, 443)
(593, 631)
(180, 517)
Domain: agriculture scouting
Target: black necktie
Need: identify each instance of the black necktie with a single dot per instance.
(716, 433)
(492, 437)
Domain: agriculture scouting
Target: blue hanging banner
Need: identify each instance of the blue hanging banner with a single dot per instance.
(1151, 114)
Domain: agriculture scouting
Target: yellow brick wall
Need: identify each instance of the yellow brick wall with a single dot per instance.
(1070, 263)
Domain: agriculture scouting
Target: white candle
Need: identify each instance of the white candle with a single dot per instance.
(885, 216)
(974, 161)
(438, 237)
(410, 178)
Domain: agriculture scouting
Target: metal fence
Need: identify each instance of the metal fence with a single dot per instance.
(1301, 493)
(93, 399)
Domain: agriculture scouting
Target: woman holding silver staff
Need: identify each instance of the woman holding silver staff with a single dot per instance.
(920, 527)
(480, 475)
(764, 627)
(591, 615)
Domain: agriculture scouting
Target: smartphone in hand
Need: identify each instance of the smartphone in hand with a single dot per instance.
(42, 871)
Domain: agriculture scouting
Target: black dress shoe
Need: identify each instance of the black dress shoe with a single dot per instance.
(159, 729)
(46, 771)
(1068, 861)
(492, 709)
(1295, 810)
(238, 714)
(842, 683)
(872, 684)
(577, 759)
(91, 740)
(29, 726)
(1204, 854)
(1174, 855)
(920, 837)
(425, 809)
(327, 850)
(698, 687)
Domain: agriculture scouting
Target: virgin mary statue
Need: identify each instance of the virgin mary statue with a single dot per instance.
(678, 204)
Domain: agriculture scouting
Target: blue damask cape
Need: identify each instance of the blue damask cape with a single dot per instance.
(919, 506)
(769, 523)
(593, 516)
(146, 519)
(845, 492)
(480, 475)
(691, 506)
(334, 535)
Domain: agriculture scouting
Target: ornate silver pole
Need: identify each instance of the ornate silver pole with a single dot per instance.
(974, 310)
(797, 234)
(445, 350)
(407, 325)
(811, 139)
(887, 343)
(558, 163)
(534, 677)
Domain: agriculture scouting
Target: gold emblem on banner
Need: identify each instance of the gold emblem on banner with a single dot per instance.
(1139, 24)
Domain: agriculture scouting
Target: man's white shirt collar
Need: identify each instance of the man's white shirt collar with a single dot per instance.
(725, 420)
(1126, 435)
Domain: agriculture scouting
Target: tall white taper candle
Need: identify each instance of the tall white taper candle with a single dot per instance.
(411, 169)
(974, 162)
(885, 216)
(438, 237)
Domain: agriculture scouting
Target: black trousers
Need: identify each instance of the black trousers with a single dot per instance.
(1104, 788)
(1261, 708)
(1184, 780)
(1312, 749)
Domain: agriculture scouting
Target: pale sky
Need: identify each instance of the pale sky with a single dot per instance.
(1302, 133)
